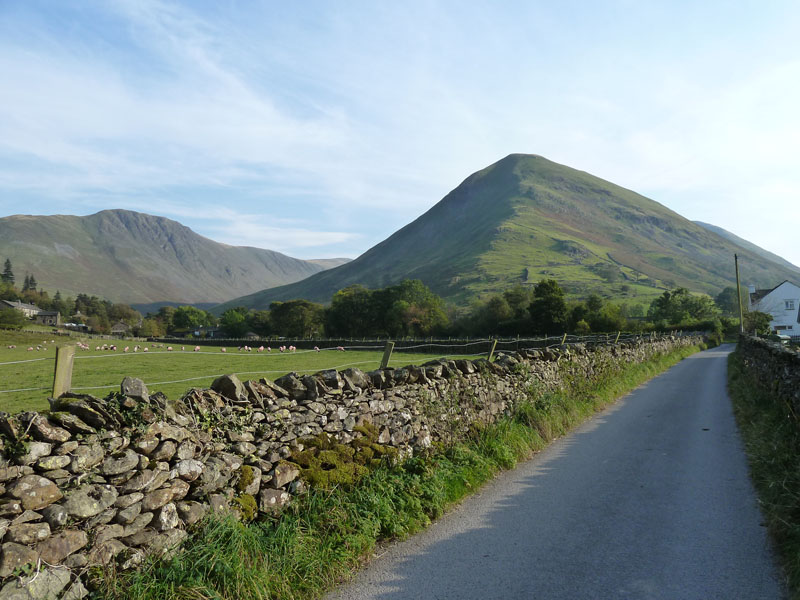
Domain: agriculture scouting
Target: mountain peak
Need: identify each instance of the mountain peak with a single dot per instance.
(134, 257)
(525, 218)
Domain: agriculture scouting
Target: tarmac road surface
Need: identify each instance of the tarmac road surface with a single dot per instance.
(650, 499)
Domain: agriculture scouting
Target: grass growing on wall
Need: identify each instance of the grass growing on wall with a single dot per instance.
(772, 442)
(323, 536)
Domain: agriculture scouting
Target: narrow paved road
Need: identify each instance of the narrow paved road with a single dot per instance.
(650, 499)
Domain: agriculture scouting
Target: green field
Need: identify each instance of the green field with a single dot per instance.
(100, 372)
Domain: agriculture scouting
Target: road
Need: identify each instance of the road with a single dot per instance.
(650, 499)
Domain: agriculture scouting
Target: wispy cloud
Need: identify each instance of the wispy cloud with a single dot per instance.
(312, 121)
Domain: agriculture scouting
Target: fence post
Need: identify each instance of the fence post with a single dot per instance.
(387, 354)
(618, 334)
(564, 339)
(491, 350)
(62, 377)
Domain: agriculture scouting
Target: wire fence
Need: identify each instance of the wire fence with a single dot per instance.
(448, 349)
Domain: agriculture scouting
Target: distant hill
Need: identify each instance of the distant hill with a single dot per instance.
(766, 254)
(329, 263)
(140, 259)
(525, 218)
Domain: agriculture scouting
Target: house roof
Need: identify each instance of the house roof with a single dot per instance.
(759, 294)
(21, 305)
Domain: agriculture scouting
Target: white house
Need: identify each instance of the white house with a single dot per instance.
(29, 310)
(783, 303)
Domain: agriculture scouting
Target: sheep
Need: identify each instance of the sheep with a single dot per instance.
(169, 348)
(340, 348)
(222, 350)
(126, 348)
(316, 348)
(197, 348)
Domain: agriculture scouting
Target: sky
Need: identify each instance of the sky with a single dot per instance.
(318, 129)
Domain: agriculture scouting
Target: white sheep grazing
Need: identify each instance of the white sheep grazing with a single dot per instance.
(197, 348)
(146, 349)
(169, 348)
(222, 350)
(30, 348)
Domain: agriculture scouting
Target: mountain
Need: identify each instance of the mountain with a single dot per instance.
(137, 258)
(766, 254)
(525, 218)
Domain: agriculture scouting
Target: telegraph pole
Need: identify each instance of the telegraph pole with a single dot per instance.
(739, 294)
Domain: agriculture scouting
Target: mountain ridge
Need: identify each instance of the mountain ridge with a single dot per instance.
(525, 218)
(137, 258)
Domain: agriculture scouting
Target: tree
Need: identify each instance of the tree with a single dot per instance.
(681, 306)
(260, 322)
(234, 322)
(151, 327)
(8, 273)
(11, 318)
(728, 302)
(187, 318)
(409, 308)
(124, 313)
(297, 318)
(498, 310)
(757, 323)
(352, 312)
(30, 284)
(548, 309)
(519, 299)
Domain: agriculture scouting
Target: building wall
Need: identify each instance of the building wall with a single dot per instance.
(783, 303)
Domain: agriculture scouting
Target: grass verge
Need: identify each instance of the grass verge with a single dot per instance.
(323, 536)
(772, 443)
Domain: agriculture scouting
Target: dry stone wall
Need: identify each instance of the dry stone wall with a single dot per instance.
(775, 367)
(107, 482)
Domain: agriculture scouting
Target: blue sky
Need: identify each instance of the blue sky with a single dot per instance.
(319, 128)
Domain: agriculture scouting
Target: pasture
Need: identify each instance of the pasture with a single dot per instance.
(29, 373)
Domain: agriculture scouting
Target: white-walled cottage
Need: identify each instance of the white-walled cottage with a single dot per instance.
(783, 303)
(29, 310)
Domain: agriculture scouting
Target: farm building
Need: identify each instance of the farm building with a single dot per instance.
(783, 303)
(120, 328)
(48, 317)
(29, 310)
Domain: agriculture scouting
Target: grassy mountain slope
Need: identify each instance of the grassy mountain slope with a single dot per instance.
(525, 218)
(137, 258)
(766, 254)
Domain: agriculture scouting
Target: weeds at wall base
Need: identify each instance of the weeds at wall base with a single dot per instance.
(323, 536)
(772, 443)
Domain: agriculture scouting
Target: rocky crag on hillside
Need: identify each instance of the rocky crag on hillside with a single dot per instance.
(107, 482)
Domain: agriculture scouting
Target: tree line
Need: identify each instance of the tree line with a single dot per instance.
(408, 309)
